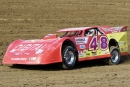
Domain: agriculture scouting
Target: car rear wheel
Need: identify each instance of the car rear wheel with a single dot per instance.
(68, 57)
(115, 55)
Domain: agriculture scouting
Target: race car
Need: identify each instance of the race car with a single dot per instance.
(69, 46)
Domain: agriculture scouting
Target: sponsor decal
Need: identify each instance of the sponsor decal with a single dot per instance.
(106, 52)
(13, 50)
(122, 43)
(39, 51)
(82, 46)
(100, 53)
(81, 54)
(32, 58)
(81, 40)
(84, 51)
(16, 54)
(125, 49)
(29, 47)
(94, 53)
(87, 54)
(18, 58)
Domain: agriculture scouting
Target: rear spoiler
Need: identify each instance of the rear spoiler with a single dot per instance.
(121, 29)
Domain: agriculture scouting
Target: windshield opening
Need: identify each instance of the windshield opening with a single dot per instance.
(70, 33)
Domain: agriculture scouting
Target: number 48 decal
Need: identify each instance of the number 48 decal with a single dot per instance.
(94, 45)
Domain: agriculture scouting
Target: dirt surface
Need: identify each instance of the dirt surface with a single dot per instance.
(31, 19)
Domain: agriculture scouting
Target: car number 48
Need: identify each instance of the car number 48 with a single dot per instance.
(94, 45)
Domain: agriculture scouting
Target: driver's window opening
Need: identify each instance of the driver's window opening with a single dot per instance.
(90, 32)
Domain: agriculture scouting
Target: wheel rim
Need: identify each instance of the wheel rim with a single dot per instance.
(115, 56)
(69, 57)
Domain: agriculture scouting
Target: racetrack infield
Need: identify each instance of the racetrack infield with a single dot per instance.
(31, 19)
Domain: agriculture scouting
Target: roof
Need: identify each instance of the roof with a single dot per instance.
(105, 29)
(74, 29)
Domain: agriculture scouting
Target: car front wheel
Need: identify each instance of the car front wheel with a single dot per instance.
(68, 57)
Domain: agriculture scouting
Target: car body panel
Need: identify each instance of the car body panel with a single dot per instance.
(33, 52)
(49, 49)
(121, 38)
(99, 53)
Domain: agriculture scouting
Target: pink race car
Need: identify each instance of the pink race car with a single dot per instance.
(73, 45)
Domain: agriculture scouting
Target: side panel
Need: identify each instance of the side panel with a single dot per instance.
(34, 52)
(121, 38)
(97, 47)
(54, 54)
(92, 47)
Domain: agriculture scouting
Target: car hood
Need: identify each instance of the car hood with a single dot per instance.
(28, 47)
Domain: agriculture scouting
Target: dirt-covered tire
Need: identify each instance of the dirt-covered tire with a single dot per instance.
(115, 56)
(68, 57)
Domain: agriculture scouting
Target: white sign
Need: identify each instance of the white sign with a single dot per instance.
(81, 40)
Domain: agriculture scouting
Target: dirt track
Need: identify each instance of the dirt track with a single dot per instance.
(31, 19)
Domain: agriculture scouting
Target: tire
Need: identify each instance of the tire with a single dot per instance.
(115, 56)
(68, 57)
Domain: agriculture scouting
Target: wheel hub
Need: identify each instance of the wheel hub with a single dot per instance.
(115, 56)
(69, 56)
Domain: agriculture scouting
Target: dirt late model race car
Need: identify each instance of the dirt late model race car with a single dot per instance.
(73, 45)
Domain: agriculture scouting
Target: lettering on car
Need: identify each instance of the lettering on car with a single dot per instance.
(81, 40)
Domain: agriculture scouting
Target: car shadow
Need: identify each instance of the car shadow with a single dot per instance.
(125, 59)
(84, 64)
(50, 67)
(54, 67)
